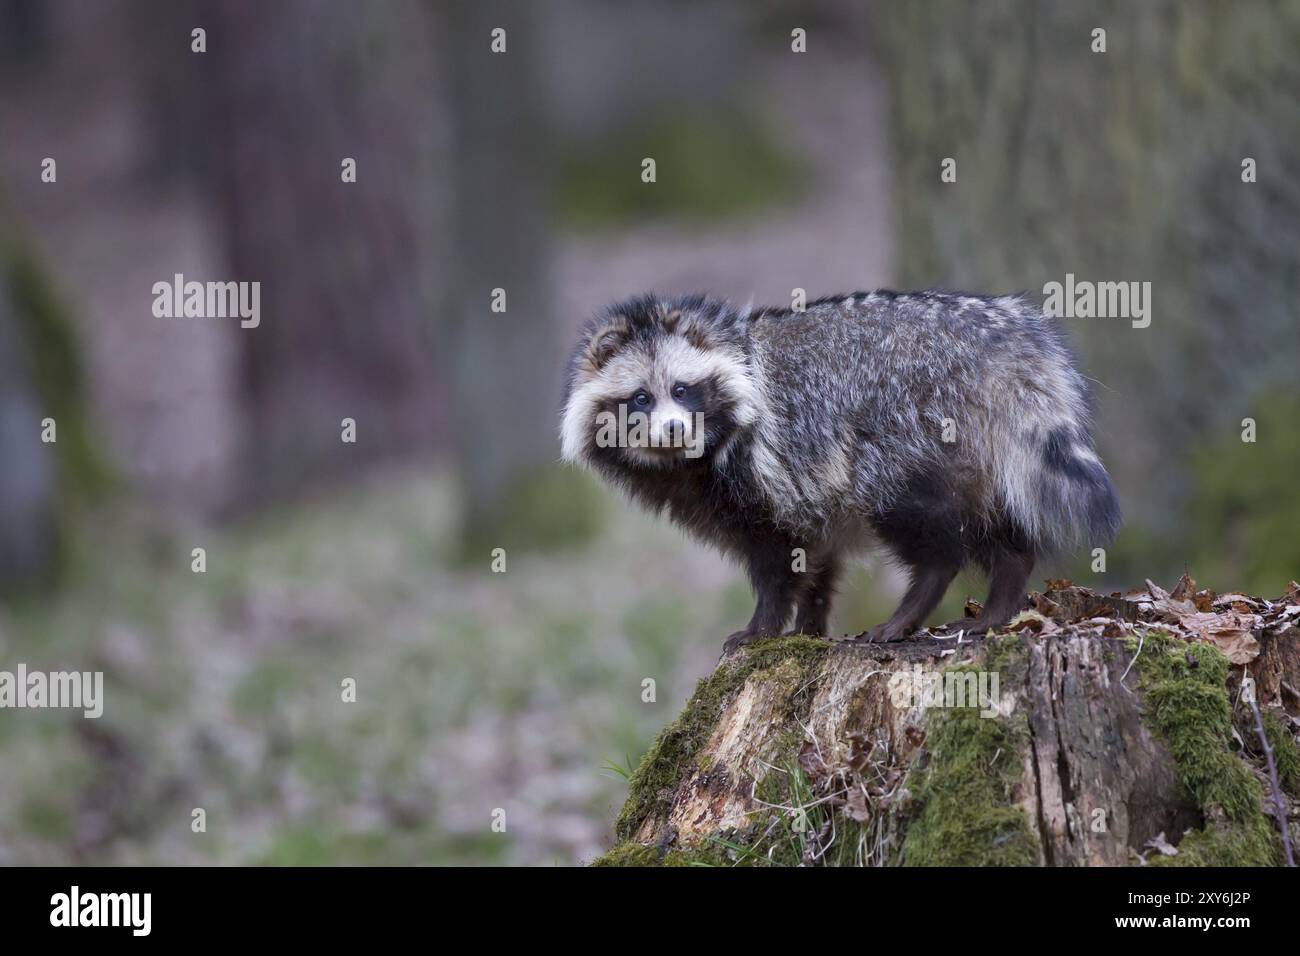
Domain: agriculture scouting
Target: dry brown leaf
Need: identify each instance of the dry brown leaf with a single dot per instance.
(856, 807)
(1032, 621)
(1239, 647)
(1043, 604)
(1167, 607)
(1230, 631)
(1184, 589)
(811, 762)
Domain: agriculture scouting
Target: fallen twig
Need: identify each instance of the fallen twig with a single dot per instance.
(1279, 803)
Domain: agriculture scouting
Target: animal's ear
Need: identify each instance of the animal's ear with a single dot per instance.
(687, 326)
(606, 339)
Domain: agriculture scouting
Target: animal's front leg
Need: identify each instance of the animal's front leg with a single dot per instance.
(774, 586)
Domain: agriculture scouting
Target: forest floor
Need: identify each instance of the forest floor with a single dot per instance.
(474, 690)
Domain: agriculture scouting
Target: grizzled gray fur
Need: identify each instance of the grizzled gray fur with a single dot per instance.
(948, 428)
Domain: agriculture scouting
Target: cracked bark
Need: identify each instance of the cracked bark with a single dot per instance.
(1107, 785)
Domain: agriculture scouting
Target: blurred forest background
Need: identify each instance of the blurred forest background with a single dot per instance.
(326, 560)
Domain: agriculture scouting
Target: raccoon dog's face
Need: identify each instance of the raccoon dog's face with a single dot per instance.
(656, 384)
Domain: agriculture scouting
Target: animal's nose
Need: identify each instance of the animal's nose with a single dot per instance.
(674, 430)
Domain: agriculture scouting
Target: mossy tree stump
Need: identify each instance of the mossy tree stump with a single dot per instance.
(1082, 750)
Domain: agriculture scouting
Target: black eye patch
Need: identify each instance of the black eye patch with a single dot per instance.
(694, 397)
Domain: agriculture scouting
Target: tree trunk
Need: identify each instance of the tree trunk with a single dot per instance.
(43, 484)
(1097, 741)
(27, 485)
(346, 331)
(503, 365)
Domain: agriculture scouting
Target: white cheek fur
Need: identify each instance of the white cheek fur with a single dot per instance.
(674, 360)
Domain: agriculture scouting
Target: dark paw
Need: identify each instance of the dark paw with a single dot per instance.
(740, 639)
(882, 634)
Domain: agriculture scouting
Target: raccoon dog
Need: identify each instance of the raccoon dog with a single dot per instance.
(948, 428)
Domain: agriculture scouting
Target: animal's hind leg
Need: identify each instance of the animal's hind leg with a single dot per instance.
(1009, 573)
(812, 616)
(923, 594)
(923, 528)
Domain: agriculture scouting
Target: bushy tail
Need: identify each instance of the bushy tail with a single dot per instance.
(1075, 502)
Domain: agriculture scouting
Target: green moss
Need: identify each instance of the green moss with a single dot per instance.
(1286, 755)
(674, 752)
(965, 795)
(1002, 653)
(628, 854)
(1222, 844)
(1184, 699)
(711, 853)
(640, 854)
